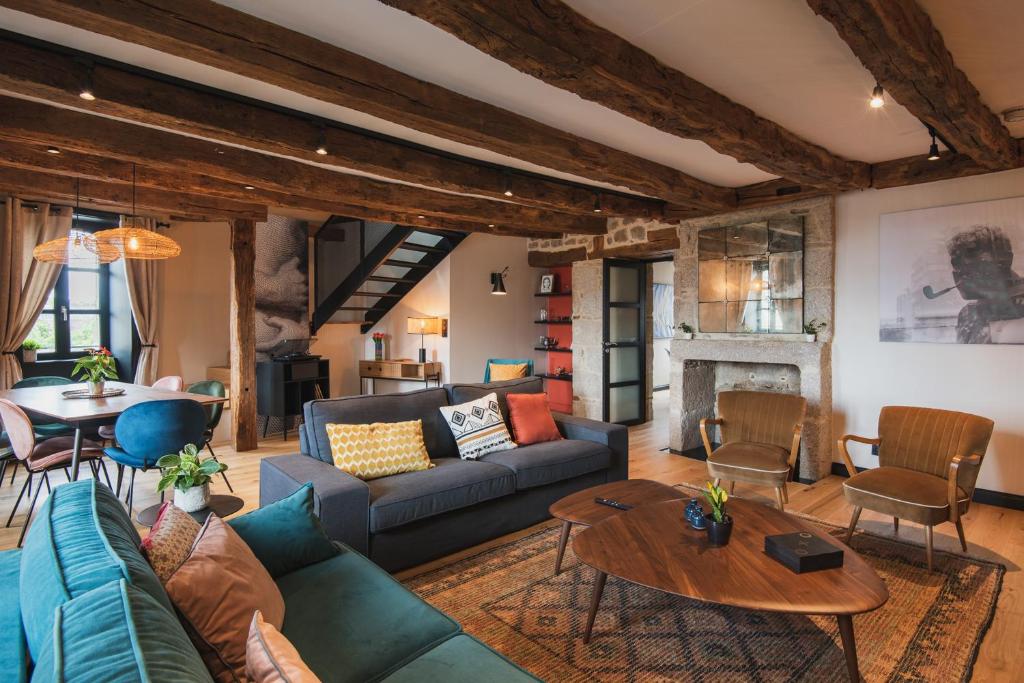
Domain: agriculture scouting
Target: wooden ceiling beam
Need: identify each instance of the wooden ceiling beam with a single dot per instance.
(40, 124)
(552, 42)
(219, 36)
(55, 76)
(897, 42)
(66, 189)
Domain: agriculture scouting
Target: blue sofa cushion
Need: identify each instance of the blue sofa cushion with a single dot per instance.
(452, 484)
(286, 535)
(461, 659)
(81, 539)
(545, 463)
(118, 633)
(13, 650)
(350, 621)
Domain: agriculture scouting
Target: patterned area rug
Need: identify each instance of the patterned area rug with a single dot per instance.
(930, 630)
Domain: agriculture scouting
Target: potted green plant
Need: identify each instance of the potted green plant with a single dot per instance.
(95, 369)
(687, 331)
(29, 350)
(190, 477)
(812, 328)
(719, 523)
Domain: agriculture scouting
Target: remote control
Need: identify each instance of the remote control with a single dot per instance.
(613, 503)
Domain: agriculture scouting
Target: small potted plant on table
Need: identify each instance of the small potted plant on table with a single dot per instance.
(189, 476)
(719, 523)
(95, 369)
(29, 350)
(812, 328)
(687, 331)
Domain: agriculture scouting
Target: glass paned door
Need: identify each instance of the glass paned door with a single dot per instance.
(625, 355)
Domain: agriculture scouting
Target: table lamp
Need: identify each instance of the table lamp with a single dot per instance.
(422, 327)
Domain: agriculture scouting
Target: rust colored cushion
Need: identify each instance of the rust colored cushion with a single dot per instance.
(170, 540)
(217, 589)
(271, 658)
(530, 417)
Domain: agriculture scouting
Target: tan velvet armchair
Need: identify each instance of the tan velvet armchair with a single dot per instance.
(928, 464)
(760, 439)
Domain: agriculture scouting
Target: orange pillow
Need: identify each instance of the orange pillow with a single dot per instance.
(505, 371)
(530, 416)
(270, 658)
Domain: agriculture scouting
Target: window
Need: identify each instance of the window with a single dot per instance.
(76, 316)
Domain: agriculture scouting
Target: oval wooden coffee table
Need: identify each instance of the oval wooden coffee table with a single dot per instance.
(580, 508)
(653, 546)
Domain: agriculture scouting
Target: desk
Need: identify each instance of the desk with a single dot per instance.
(402, 370)
(86, 413)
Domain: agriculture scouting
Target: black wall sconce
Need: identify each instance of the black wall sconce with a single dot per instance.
(498, 282)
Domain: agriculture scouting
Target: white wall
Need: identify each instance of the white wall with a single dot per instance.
(663, 272)
(867, 374)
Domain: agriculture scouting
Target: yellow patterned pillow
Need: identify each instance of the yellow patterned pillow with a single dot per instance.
(369, 451)
(503, 371)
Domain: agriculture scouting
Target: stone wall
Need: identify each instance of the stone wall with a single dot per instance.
(622, 234)
(587, 352)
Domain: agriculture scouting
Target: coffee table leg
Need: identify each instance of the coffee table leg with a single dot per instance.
(849, 645)
(562, 542)
(595, 600)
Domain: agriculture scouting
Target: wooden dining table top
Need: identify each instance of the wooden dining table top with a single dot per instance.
(652, 545)
(50, 402)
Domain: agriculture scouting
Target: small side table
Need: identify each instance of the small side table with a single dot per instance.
(580, 508)
(222, 505)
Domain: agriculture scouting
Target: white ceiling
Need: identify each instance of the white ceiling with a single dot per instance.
(774, 56)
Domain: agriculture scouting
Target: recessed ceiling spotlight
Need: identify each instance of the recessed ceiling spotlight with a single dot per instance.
(249, 187)
(490, 225)
(52, 150)
(421, 217)
(1013, 114)
(877, 100)
(87, 94)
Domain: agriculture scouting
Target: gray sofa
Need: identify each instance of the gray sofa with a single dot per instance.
(407, 519)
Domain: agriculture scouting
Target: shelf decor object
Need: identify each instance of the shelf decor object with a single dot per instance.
(423, 327)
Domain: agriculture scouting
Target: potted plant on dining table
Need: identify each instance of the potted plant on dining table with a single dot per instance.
(95, 369)
(190, 476)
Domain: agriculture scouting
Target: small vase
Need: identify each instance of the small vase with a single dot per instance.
(719, 532)
(192, 499)
(810, 337)
(378, 352)
(96, 388)
(29, 355)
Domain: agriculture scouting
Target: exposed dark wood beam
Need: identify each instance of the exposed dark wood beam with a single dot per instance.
(414, 220)
(550, 41)
(897, 42)
(50, 74)
(918, 169)
(206, 32)
(40, 124)
(64, 188)
(777, 191)
(242, 342)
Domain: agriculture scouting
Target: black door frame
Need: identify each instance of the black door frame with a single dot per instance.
(640, 343)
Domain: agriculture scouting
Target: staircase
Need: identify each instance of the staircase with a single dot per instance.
(364, 268)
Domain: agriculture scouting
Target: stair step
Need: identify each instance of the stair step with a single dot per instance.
(395, 280)
(406, 264)
(359, 308)
(412, 246)
(376, 294)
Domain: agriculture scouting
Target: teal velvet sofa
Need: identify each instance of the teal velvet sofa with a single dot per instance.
(80, 603)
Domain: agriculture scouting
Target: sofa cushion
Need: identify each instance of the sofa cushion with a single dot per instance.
(286, 535)
(545, 463)
(478, 427)
(413, 405)
(378, 449)
(462, 659)
(270, 658)
(81, 539)
(13, 649)
(531, 419)
(169, 540)
(453, 484)
(460, 393)
(118, 633)
(351, 621)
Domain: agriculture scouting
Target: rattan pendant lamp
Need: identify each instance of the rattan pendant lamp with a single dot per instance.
(79, 248)
(134, 241)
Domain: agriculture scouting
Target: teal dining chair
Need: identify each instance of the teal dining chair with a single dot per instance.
(507, 361)
(211, 387)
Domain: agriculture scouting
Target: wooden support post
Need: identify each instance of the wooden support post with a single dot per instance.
(243, 335)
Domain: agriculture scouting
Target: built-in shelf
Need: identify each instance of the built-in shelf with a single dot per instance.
(552, 322)
(569, 293)
(561, 349)
(548, 375)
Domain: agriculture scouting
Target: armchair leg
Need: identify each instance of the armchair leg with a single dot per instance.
(895, 525)
(853, 524)
(928, 545)
(785, 492)
(778, 498)
(732, 486)
(960, 533)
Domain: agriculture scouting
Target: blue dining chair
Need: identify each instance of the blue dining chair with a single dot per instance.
(507, 361)
(214, 411)
(149, 430)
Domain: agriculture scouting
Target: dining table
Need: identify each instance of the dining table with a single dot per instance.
(88, 414)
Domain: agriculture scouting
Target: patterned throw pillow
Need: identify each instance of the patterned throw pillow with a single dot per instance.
(369, 451)
(503, 371)
(170, 540)
(478, 427)
(271, 658)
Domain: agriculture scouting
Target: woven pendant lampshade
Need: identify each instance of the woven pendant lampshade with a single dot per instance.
(136, 242)
(77, 249)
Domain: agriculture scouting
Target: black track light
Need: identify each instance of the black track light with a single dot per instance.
(321, 144)
(877, 100)
(506, 188)
(597, 202)
(933, 151)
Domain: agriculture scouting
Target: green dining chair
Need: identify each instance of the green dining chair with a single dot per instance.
(214, 411)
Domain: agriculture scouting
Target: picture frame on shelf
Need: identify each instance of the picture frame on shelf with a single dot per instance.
(547, 283)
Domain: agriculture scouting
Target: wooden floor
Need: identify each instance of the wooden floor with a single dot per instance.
(993, 533)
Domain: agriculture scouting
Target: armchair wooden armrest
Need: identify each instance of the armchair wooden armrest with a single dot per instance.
(952, 495)
(794, 450)
(846, 454)
(704, 431)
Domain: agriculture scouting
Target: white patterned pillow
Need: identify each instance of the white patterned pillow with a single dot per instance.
(478, 427)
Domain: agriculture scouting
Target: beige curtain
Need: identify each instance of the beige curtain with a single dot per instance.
(24, 282)
(143, 287)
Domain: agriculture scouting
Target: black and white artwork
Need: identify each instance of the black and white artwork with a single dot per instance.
(948, 274)
(282, 299)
